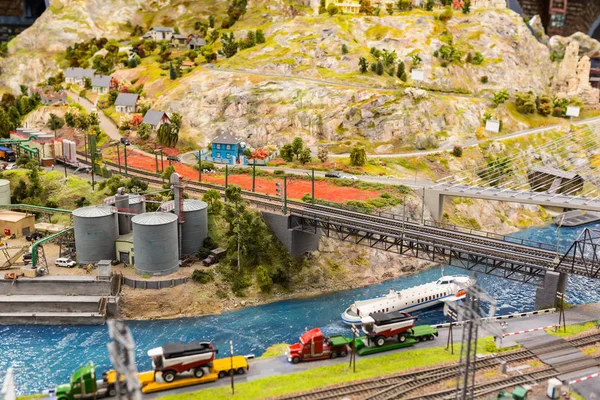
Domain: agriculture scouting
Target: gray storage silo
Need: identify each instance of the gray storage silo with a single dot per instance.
(4, 191)
(155, 243)
(195, 227)
(122, 203)
(96, 229)
(137, 203)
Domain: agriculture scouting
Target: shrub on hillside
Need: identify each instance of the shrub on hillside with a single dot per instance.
(457, 151)
(525, 102)
(445, 15)
(201, 276)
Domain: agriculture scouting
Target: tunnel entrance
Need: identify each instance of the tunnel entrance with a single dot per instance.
(16, 16)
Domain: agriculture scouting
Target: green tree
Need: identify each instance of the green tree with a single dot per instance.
(305, 156)
(297, 146)
(497, 171)
(82, 122)
(4, 124)
(379, 69)
(287, 153)
(363, 64)
(170, 170)
(544, 105)
(168, 135)
(358, 156)
(500, 97)
(466, 7)
(429, 5)
(323, 154)
(213, 198)
(70, 119)
(55, 122)
(389, 8)
(401, 72)
(416, 59)
(457, 151)
(14, 117)
(133, 62)
(211, 21)
(263, 280)
(229, 46)
(144, 131)
(260, 36)
(172, 73)
(344, 49)
(87, 83)
(176, 119)
(525, 103)
(332, 9)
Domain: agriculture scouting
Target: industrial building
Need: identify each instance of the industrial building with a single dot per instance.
(154, 242)
(17, 223)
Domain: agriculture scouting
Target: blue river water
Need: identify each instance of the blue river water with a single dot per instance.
(44, 356)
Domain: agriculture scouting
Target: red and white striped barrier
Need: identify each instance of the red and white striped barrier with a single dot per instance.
(597, 374)
(529, 330)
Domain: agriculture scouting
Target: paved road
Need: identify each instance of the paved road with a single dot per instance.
(279, 366)
(106, 124)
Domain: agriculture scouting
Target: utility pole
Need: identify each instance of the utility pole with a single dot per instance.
(285, 195)
(65, 165)
(156, 157)
(226, 175)
(199, 168)
(122, 356)
(313, 186)
(85, 146)
(253, 174)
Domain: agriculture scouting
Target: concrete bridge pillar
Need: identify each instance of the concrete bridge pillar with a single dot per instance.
(545, 296)
(296, 242)
(434, 200)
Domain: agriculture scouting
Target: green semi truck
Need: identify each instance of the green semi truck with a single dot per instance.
(84, 385)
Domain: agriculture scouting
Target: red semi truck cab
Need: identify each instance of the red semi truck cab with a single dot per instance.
(314, 345)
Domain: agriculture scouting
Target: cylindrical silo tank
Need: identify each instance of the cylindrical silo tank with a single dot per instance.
(96, 230)
(195, 225)
(122, 203)
(137, 203)
(155, 243)
(4, 191)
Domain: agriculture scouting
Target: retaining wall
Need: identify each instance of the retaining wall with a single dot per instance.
(51, 285)
(154, 284)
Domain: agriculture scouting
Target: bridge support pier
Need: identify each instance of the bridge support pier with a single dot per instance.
(298, 243)
(545, 296)
(434, 200)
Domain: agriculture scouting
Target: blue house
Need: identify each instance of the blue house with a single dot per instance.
(227, 147)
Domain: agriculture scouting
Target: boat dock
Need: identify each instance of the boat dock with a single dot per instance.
(576, 218)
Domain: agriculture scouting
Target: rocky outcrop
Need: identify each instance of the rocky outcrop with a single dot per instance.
(476, 4)
(573, 78)
(538, 29)
(587, 46)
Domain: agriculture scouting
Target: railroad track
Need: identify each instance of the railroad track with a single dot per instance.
(532, 257)
(399, 385)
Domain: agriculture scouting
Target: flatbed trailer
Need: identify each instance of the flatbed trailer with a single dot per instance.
(221, 368)
(414, 335)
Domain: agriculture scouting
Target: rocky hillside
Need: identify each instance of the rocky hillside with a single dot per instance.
(299, 81)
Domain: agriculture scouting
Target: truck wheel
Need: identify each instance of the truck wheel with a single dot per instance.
(401, 338)
(333, 355)
(112, 391)
(240, 371)
(295, 360)
(222, 374)
(343, 353)
(168, 376)
(199, 372)
(380, 341)
(430, 337)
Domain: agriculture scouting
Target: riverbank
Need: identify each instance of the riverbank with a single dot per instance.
(335, 268)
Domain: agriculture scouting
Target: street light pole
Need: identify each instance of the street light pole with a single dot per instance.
(119, 157)
(125, 154)
(226, 175)
(155, 158)
(85, 146)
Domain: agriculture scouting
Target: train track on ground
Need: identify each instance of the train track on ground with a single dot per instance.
(400, 385)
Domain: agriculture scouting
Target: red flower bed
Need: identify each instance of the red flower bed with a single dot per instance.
(296, 188)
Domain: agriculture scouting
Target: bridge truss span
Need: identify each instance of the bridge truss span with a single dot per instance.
(471, 252)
